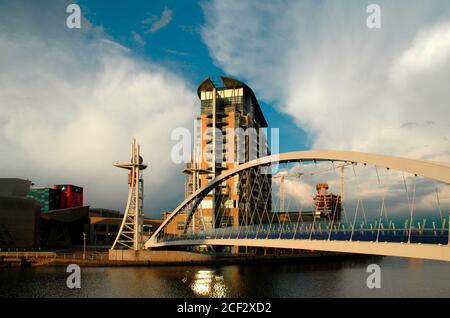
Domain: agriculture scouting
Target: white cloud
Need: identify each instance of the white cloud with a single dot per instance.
(365, 183)
(156, 23)
(138, 38)
(72, 100)
(174, 52)
(348, 86)
(429, 51)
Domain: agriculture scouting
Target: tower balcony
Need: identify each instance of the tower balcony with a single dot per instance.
(219, 114)
(219, 122)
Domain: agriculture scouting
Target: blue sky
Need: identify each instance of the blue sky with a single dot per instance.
(178, 46)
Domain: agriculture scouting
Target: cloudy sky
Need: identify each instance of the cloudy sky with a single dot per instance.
(72, 99)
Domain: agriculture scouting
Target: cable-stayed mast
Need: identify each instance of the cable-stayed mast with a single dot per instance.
(130, 235)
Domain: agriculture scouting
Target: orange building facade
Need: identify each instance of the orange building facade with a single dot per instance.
(229, 131)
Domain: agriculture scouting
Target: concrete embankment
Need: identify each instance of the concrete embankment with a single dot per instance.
(23, 259)
(113, 258)
(160, 257)
(147, 258)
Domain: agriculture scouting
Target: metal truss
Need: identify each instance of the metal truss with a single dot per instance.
(130, 235)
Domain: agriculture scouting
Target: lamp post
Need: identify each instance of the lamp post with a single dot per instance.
(84, 245)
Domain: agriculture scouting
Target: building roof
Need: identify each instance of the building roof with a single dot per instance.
(67, 215)
(222, 82)
(14, 187)
(67, 185)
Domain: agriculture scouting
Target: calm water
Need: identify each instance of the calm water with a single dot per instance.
(313, 278)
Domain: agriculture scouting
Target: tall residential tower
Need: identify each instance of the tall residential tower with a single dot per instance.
(230, 131)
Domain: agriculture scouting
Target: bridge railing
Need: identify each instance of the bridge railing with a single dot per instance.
(418, 235)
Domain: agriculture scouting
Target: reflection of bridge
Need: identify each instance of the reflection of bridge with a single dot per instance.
(393, 206)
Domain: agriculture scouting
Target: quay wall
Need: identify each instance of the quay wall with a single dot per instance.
(158, 256)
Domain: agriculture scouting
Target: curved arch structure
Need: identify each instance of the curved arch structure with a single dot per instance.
(427, 169)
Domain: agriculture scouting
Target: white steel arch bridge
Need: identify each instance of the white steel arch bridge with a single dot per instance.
(379, 205)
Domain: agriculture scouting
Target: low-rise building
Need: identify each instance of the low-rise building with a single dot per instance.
(19, 216)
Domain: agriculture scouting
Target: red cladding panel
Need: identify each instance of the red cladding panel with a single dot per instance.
(71, 196)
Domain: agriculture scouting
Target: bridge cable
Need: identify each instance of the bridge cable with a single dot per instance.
(313, 224)
(357, 206)
(252, 200)
(291, 201)
(286, 212)
(244, 205)
(255, 202)
(335, 208)
(260, 214)
(382, 202)
(221, 210)
(299, 217)
(411, 207)
(265, 206)
(274, 214)
(439, 206)
(358, 190)
(248, 202)
(354, 220)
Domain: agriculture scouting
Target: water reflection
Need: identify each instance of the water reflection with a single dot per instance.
(331, 277)
(208, 284)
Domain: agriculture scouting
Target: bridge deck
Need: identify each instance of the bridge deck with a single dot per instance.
(413, 250)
